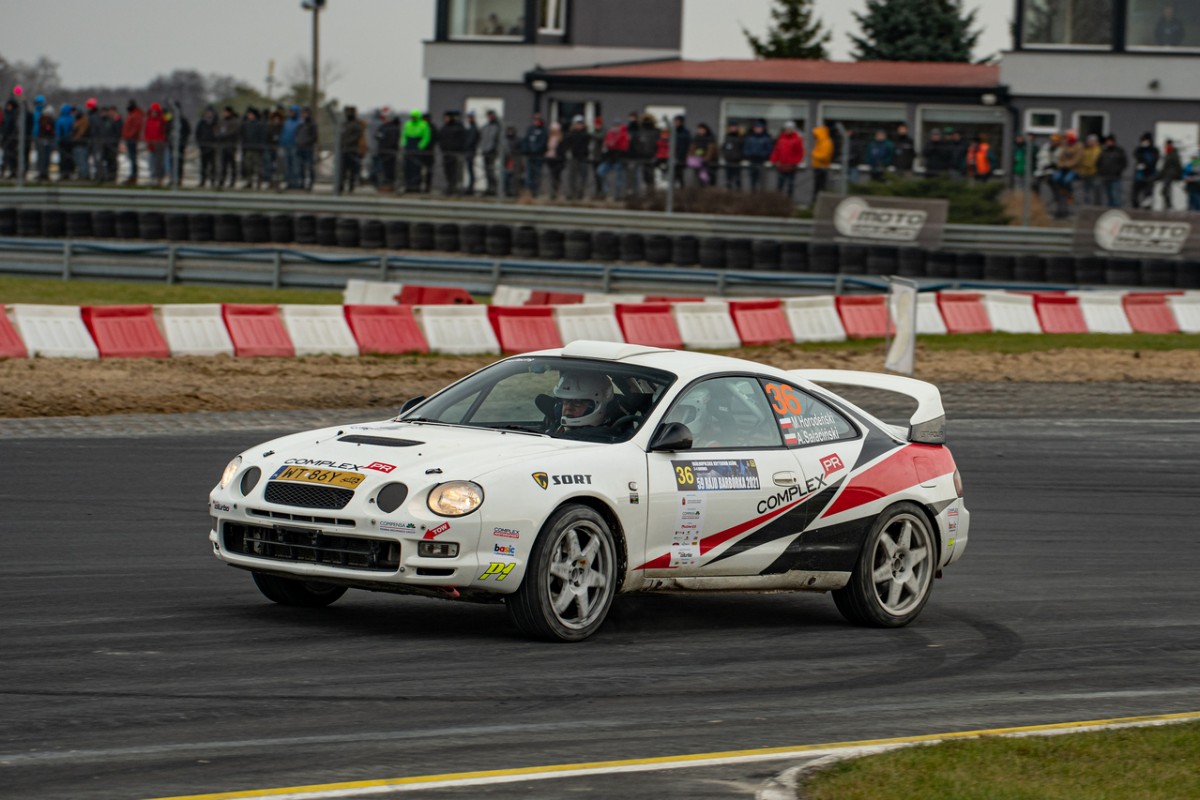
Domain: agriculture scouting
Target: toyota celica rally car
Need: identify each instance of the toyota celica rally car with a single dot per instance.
(553, 480)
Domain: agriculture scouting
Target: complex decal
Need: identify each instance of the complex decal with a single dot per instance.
(309, 462)
(716, 475)
(1116, 232)
(790, 494)
(507, 533)
(857, 219)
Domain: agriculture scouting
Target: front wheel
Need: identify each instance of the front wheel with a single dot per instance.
(894, 575)
(291, 592)
(570, 580)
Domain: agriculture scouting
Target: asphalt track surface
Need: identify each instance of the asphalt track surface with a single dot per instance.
(135, 665)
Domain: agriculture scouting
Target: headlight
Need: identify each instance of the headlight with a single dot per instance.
(230, 471)
(455, 499)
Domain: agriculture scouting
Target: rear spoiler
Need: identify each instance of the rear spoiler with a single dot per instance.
(926, 426)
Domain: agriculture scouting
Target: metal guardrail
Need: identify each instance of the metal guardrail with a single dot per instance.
(984, 238)
(277, 268)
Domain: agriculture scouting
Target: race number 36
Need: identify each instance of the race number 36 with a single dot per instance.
(784, 399)
(684, 476)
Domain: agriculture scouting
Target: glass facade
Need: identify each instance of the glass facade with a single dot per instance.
(746, 112)
(1159, 24)
(1068, 23)
(487, 19)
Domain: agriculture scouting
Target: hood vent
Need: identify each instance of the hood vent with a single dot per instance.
(379, 441)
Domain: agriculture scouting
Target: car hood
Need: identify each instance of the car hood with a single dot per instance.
(403, 450)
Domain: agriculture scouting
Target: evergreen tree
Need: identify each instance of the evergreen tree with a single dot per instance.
(794, 33)
(915, 30)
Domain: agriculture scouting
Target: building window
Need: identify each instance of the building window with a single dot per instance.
(963, 126)
(1090, 123)
(747, 112)
(1155, 23)
(1043, 120)
(1068, 23)
(487, 19)
(552, 17)
(860, 122)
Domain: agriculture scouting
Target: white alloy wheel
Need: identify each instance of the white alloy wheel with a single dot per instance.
(894, 576)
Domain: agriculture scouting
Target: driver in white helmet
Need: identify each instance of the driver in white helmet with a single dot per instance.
(586, 398)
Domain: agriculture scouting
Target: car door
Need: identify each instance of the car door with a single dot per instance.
(705, 502)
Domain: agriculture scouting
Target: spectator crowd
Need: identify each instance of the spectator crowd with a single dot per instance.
(578, 159)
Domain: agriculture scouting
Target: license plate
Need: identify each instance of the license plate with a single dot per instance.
(326, 477)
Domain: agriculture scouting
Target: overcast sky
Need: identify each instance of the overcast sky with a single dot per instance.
(375, 44)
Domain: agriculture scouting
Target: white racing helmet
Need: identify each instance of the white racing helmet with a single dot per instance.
(590, 386)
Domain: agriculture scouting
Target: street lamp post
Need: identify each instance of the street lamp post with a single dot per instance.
(315, 7)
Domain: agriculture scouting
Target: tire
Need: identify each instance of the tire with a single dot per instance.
(605, 246)
(573, 533)
(473, 238)
(54, 223)
(1029, 269)
(446, 238)
(201, 227)
(823, 258)
(177, 228)
(632, 247)
(551, 245)
(256, 228)
(127, 225)
(327, 231)
(766, 255)
(1089, 270)
(152, 225)
(498, 241)
(1156, 272)
(883, 260)
(578, 245)
(397, 234)
(1060, 269)
(899, 545)
(685, 252)
(793, 257)
(910, 262)
(1188, 275)
(970, 266)
(347, 232)
(29, 223)
(79, 224)
(228, 228)
(712, 252)
(524, 243)
(290, 592)
(998, 267)
(420, 236)
(1122, 272)
(104, 224)
(852, 259)
(283, 228)
(306, 229)
(941, 264)
(373, 235)
(8, 221)
(739, 254)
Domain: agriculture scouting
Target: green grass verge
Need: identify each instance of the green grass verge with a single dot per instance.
(1144, 763)
(106, 293)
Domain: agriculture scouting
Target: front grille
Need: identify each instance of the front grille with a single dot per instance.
(307, 495)
(312, 547)
(310, 519)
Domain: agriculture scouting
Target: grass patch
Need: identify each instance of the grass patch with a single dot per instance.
(80, 292)
(1156, 763)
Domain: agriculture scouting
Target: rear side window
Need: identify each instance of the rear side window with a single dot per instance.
(803, 419)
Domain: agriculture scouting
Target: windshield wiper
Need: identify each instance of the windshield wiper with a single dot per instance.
(518, 428)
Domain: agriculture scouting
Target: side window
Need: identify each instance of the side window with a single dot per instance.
(803, 419)
(727, 413)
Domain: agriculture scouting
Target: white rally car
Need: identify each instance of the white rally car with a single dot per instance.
(554, 480)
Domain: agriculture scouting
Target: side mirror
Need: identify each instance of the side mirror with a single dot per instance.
(410, 404)
(671, 437)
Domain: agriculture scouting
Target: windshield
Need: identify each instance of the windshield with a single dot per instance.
(599, 401)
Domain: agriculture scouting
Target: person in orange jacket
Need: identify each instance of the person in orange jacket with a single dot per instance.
(822, 158)
(787, 156)
(131, 133)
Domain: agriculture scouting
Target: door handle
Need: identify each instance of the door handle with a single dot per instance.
(785, 478)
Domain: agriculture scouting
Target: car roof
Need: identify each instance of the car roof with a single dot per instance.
(686, 364)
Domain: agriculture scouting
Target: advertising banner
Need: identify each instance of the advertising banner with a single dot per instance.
(899, 221)
(1120, 233)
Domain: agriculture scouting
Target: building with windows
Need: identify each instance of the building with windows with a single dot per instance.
(1098, 66)
(1094, 66)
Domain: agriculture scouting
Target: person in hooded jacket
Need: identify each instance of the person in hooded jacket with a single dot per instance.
(349, 141)
(490, 136)
(388, 144)
(415, 139)
(156, 142)
(533, 148)
(110, 144)
(131, 134)
(206, 140)
(179, 131)
(62, 138)
(1145, 168)
(1169, 172)
(757, 149)
(822, 159)
(732, 153)
(271, 154)
(452, 141)
(287, 141)
(472, 150)
(787, 156)
(306, 146)
(646, 146)
(1110, 169)
(10, 137)
(81, 144)
(576, 146)
(703, 155)
(253, 136)
(229, 131)
(43, 133)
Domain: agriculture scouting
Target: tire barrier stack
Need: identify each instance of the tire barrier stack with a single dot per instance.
(579, 245)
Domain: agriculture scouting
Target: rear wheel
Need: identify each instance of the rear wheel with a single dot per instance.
(291, 592)
(894, 575)
(570, 580)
